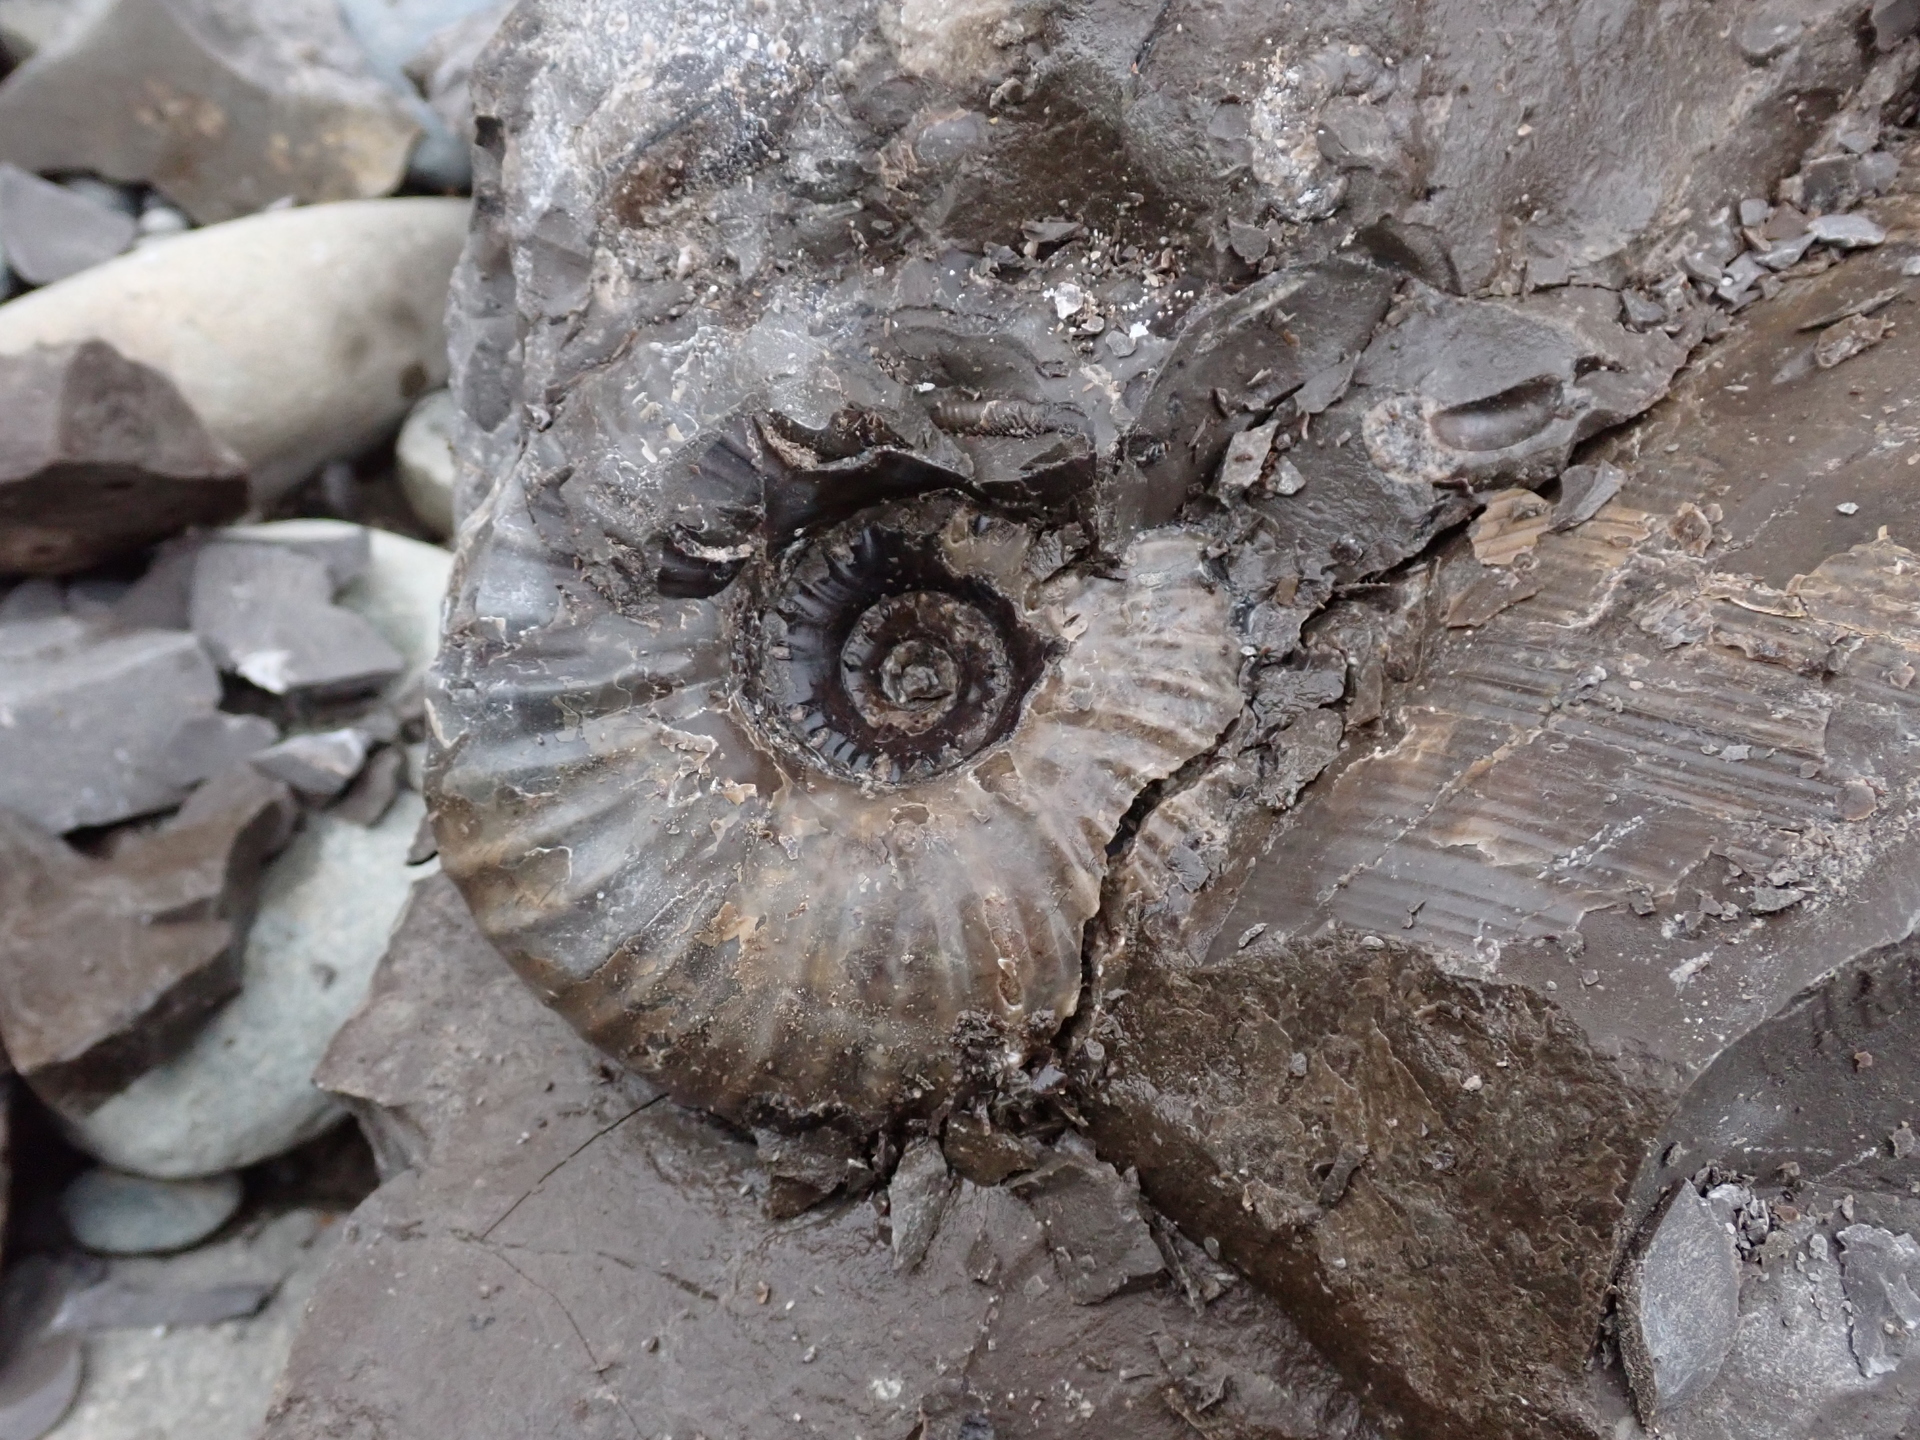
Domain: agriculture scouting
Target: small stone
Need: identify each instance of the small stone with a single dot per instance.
(101, 456)
(115, 1214)
(206, 745)
(1096, 1225)
(1847, 507)
(374, 789)
(1287, 479)
(38, 1383)
(1857, 800)
(1246, 458)
(1068, 300)
(1859, 334)
(917, 1199)
(263, 102)
(107, 967)
(1584, 490)
(1770, 899)
(268, 616)
(1847, 232)
(242, 1089)
(319, 766)
(1473, 1084)
(247, 320)
(1893, 21)
(50, 231)
(424, 458)
(1680, 1306)
(984, 1154)
(345, 549)
(1903, 1142)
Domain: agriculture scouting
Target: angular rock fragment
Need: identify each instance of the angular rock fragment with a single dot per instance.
(298, 337)
(319, 766)
(618, 1277)
(267, 614)
(917, 1201)
(1881, 1275)
(48, 231)
(101, 726)
(1095, 1222)
(345, 549)
(1679, 1306)
(224, 109)
(100, 456)
(241, 1091)
(111, 965)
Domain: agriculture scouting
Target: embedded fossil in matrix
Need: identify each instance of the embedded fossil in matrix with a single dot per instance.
(858, 574)
(964, 579)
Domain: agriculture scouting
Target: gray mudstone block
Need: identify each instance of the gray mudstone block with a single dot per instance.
(650, 1292)
(267, 615)
(224, 108)
(100, 456)
(94, 720)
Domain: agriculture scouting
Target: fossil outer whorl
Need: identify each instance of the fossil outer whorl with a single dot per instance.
(824, 842)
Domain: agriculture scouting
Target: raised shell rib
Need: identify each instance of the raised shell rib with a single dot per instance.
(766, 938)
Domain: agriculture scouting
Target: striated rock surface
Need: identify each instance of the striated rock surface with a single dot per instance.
(222, 106)
(559, 1247)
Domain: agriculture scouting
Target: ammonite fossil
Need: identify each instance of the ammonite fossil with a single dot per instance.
(825, 839)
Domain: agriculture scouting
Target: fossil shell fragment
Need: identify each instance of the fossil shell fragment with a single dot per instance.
(822, 842)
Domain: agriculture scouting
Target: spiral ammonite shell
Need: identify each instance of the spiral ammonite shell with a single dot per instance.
(823, 842)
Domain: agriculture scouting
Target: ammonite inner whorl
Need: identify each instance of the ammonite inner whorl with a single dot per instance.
(822, 843)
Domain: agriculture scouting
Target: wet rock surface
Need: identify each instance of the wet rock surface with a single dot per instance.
(101, 457)
(562, 1246)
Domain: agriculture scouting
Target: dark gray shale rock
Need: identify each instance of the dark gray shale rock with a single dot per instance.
(902, 448)
(558, 1249)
